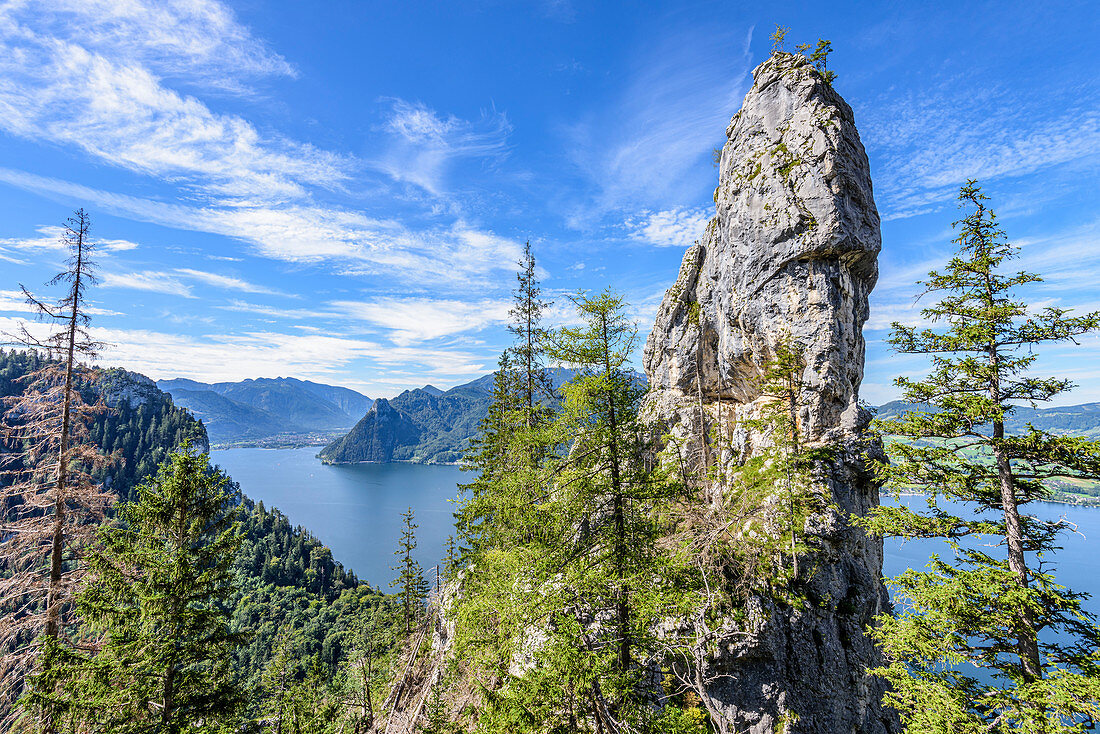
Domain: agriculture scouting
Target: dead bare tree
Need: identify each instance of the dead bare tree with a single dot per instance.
(49, 503)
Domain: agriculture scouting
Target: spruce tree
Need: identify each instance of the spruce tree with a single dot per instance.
(513, 439)
(994, 602)
(529, 345)
(157, 593)
(593, 555)
(411, 585)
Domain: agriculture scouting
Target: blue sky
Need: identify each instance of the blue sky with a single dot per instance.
(339, 191)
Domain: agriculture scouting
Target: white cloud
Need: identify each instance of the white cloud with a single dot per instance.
(645, 150)
(426, 143)
(196, 40)
(455, 256)
(929, 143)
(412, 320)
(92, 77)
(278, 313)
(50, 239)
(58, 91)
(669, 228)
(232, 357)
(148, 280)
(16, 302)
(225, 281)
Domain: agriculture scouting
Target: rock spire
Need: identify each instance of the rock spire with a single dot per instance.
(789, 257)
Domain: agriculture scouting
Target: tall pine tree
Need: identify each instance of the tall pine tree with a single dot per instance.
(157, 593)
(49, 502)
(411, 585)
(994, 603)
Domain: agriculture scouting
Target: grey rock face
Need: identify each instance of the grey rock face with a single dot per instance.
(790, 256)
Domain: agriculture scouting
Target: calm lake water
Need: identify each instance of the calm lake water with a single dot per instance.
(356, 511)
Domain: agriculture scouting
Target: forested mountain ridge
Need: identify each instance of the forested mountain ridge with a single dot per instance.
(141, 427)
(254, 409)
(1069, 420)
(291, 597)
(425, 425)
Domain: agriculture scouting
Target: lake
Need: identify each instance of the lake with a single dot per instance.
(356, 511)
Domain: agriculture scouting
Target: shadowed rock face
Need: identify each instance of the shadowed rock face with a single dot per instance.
(789, 256)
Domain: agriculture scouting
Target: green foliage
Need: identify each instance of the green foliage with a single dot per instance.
(412, 588)
(292, 606)
(568, 575)
(157, 592)
(779, 38)
(140, 429)
(998, 610)
(819, 58)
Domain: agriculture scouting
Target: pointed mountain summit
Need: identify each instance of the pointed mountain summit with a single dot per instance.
(788, 259)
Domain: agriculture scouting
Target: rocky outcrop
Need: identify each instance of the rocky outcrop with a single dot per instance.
(375, 437)
(789, 257)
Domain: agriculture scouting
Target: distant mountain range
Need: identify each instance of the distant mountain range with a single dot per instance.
(250, 410)
(1076, 420)
(425, 425)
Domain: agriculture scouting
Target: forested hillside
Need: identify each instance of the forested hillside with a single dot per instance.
(292, 603)
(425, 425)
(141, 426)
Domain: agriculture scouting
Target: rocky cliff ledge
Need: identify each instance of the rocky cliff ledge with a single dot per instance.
(790, 257)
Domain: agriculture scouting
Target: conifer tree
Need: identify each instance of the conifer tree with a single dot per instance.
(598, 557)
(781, 471)
(513, 438)
(410, 582)
(49, 503)
(157, 593)
(363, 670)
(530, 336)
(277, 682)
(994, 603)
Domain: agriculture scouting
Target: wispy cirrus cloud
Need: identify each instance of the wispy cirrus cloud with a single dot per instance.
(928, 143)
(413, 320)
(173, 282)
(277, 313)
(196, 41)
(57, 91)
(669, 228)
(49, 237)
(645, 149)
(148, 280)
(456, 256)
(426, 143)
(16, 302)
(104, 93)
(231, 357)
(227, 282)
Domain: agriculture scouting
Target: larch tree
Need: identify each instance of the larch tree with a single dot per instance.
(781, 471)
(49, 503)
(158, 592)
(986, 640)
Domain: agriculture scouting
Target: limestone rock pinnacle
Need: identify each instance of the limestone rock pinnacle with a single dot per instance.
(789, 257)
